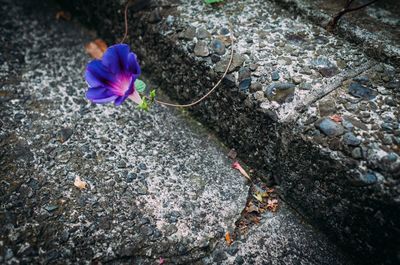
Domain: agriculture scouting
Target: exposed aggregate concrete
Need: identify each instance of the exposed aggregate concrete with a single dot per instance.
(159, 185)
(375, 28)
(265, 116)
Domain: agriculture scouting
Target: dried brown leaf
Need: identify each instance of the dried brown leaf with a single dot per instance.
(228, 238)
(259, 196)
(336, 118)
(63, 15)
(79, 183)
(255, 219)
(252, 208)
(272, 205)
(96, 48)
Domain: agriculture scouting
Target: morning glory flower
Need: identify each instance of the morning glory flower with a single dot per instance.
(113, 77)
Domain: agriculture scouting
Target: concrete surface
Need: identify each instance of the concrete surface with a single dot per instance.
(343, 174)
(374, 28)
(160, 186)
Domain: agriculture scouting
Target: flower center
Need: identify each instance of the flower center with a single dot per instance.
(125, 85)
(122, 85)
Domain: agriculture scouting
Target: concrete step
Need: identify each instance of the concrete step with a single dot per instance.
(160, 186)
(289, 76)
(374, 28)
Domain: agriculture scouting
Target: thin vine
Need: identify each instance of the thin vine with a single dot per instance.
(203, 97)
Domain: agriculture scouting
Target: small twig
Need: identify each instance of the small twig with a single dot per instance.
(126, 20)
(209, 92)
(333, 22)
(361, 6)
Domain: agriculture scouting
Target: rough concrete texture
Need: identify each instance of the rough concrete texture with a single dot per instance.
(276, 241)
(159, 185)
(375, 28)
(284, 69)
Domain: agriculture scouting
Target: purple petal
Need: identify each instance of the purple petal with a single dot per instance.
(98, 75)
(100, 95)
(116, 58)
(118, 101)
(104, 100)
(131, 87)
(133, 65)
(95, 93)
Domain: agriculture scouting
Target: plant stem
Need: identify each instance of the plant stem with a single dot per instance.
(333, 22)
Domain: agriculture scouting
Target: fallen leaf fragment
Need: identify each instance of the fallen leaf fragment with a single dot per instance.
(272, 205)
(270, 190)
(336, 118)
(213, 1)
(252, 208)
(237, 166)
(259, 196)
(79, 183)
(96, 48)
(63, 15)
(226, 40)
(232, 154)
(243, 229)
(228, 238)
(255, 219)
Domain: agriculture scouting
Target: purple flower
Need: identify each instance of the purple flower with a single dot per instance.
(113, 77)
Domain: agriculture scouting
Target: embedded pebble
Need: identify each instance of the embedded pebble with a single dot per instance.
(297, 79)
(229, 80)
(329, 127)
(350, 139)
(65, 134)
(224, 31)
(201, 49)
(218, 46)
(328, 71)
(256, 87)
(305, 86)
(203, 33)
(237, 61)
(369, 178)
(244, 73)
(189, 33)
(356, 153)
(275, 76)
(360, 91)
(253, 66)
(326, 107)
(280, 92)
(244, 85)
(51, 208)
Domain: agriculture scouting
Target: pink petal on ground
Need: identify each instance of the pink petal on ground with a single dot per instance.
(237, 166)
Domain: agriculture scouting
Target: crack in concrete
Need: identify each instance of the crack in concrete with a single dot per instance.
(333, 84)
